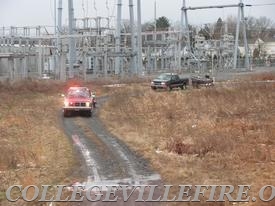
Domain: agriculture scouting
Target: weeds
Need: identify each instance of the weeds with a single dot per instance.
(218, 135)
(34, 149)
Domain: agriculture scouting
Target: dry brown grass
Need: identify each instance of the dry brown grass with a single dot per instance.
(34, 149)
(262, 76)
(222, 135)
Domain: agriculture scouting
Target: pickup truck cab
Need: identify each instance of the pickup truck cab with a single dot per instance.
(169, 81)
(78, 99)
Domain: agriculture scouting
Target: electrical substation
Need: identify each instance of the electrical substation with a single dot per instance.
(94, 47)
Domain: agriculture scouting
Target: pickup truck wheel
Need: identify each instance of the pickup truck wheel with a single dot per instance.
(89, 113)
(66, 113)
(183, 86)
(195, 85)
(170, 88)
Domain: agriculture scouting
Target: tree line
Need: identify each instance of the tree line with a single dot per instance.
(262, 27)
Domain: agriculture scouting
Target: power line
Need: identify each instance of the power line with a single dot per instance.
(263, 4)
(83, 8)
(52, 9)
(95, 8)
(107, 7)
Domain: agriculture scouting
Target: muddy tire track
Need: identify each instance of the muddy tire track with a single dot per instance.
(104, 160)
(107, 160)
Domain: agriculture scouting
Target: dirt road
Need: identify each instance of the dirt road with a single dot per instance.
(106, 159)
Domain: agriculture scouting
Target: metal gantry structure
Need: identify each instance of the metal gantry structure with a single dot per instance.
(240, 20)
(91, 47)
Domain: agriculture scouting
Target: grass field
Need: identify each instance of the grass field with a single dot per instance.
(220, 135)
(34, 148)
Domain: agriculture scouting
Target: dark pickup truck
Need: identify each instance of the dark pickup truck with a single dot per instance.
(198, 81)
(169, 81)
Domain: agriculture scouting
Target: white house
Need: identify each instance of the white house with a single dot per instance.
(266, 49)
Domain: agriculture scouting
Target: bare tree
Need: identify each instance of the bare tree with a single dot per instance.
(261, 27)
(231, 24)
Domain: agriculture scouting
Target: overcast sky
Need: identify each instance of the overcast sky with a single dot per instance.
(41, 12)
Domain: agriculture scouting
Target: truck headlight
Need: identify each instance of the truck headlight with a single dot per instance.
(66, 103)
(163, 83)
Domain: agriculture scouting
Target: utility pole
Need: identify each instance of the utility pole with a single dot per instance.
(226, 28)
(155, 36)
(39, 57)
(63, 64)
(139, 39)
(235, 58)
(55, 41)
(186, 27)
(105, 49)
(72, 54)
(181, 32)
(55, 17)
(11, 68)
(247, 63)
(117, 38)
(59, 71)
(84, 59)
(133, 38)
